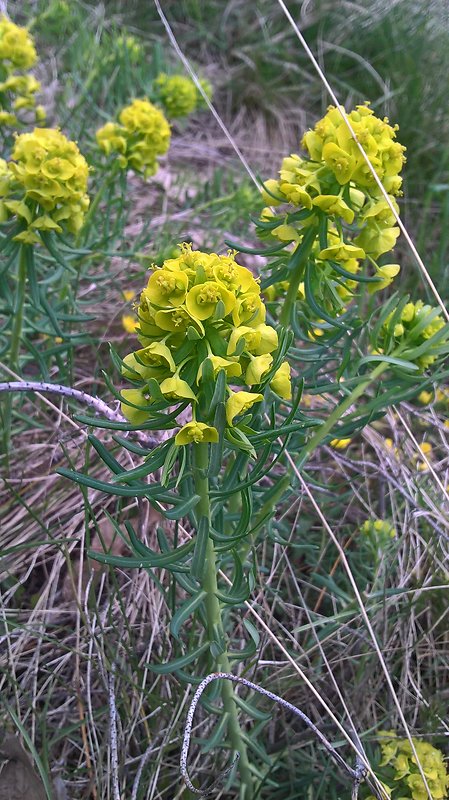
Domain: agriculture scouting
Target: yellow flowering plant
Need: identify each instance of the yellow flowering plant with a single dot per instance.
(138, 139)
(18, 88)
(329, 216)
(214, 374)
(178, 95)
(398, 768)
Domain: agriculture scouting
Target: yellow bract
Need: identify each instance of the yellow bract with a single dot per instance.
(239, 403)
(141, 135)
(281, 383)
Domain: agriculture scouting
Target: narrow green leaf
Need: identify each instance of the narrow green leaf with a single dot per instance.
(185, 611)
(178, 663)
(199, 556)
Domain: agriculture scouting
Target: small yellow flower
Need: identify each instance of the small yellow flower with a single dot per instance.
(196, 433)
(202, 300)
(166, 288)
(270, 188)
(129, 323)
(239, 403)
(340, 162)
(386, 273)
(425, 397)
(340, 444)
(128, 295)
(281, 382)
(156, 354)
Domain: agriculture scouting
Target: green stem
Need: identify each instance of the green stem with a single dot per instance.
(17, 322)
(338, 412)
(215, 621)
(301, 253)
(16, 335)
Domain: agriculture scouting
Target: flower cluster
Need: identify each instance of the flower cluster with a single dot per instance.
(178, 95)
(201, 314)
(397, 756)
(141, 135)
(45, 184)
(378, 530)
(130, 47)
(419, 332)
(332, 190)
(17, 90)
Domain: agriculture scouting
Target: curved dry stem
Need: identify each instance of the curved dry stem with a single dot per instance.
(357, 775)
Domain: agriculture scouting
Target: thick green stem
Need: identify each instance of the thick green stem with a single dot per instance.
(17, 322)
(16, 335)
(215, 621)
(338, 412)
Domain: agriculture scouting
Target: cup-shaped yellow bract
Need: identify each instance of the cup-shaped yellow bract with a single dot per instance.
(47, 184)
(17, 50)
(239, 403)
(281, 382)
(196, 433)
(189, 323)
(138, 139)
(177, 94)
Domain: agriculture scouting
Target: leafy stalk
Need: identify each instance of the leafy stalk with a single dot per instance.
(214, 617)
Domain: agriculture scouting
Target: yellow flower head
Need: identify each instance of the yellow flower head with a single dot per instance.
(138, 139)
(16, 45)
(201, 316)
(331, 142)
(49, 175)
(196, 433)
(177, 94)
